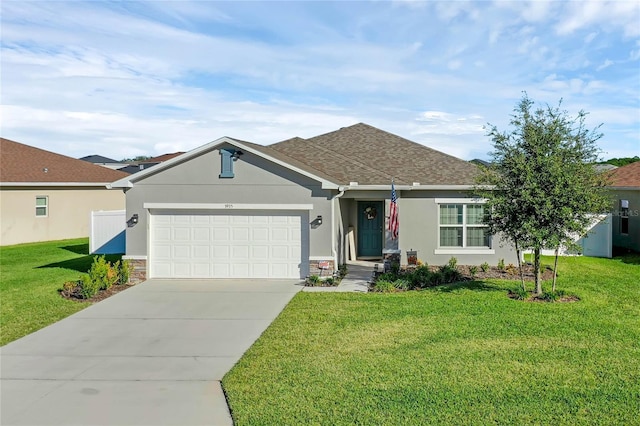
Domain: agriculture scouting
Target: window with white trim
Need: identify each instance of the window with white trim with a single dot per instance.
(42, 206)
(462, 225)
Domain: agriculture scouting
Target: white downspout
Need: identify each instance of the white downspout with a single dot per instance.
(333, 224)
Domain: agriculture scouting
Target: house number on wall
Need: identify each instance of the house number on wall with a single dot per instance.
(228, 206)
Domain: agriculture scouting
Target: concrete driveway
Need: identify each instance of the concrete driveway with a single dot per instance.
(153, 354)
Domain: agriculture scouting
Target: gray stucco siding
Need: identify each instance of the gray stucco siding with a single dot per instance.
(255, 181)
(419, 231)
(631, 240)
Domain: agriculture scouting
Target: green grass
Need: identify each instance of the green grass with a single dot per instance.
(464, 354)
(30, 277)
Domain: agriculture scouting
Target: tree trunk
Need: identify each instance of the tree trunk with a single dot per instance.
(555, 270)
(519, 253)
(536, 268)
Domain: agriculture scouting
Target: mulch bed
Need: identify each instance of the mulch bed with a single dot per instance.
(101, 295)
(509, 273)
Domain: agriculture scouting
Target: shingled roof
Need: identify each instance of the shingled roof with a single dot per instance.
(370, 156)
(626, 176)
(24, 163)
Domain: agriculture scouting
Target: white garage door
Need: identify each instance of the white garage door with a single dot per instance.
(222, 245)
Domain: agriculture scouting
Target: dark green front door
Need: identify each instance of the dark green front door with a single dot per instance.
(370, 222)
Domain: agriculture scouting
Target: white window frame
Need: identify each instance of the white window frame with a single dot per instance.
(464, 249)
(46, 205)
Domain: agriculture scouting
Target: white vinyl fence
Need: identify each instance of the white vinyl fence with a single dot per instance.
(598, 242)
(107, 232)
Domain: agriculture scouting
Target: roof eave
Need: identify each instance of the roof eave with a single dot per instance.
(406, 187)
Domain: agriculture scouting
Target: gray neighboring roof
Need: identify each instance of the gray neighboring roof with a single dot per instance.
(604, 167)
(479, 162)
(99, 159)
(370, 156)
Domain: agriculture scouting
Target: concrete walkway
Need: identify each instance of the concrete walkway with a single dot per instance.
(153, 354)
(356, 281)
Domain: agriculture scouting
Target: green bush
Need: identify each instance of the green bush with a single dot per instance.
(437, 278)
(313, 280)
(450, 274)
(124, 269)
(329, 281)
(519, 293)
(384, 286)
(485, 267)
(501, 265)
(395, 268)
(88, 287)
(453, 262)
(421, 277)
(473, 270)
(402, 284)
(342, 270)
(102, 273)
(388, 276)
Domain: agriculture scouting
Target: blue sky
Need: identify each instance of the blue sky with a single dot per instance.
(122, 79)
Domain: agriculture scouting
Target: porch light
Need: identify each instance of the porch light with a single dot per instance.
(319, 220)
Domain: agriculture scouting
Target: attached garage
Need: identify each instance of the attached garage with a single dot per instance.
(218, 243)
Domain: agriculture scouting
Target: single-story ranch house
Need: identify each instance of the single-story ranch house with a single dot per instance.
(625, 187)
(234, 209)
(46, 196)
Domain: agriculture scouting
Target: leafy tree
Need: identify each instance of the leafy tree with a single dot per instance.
(135, 159)
(541, 188)
(621, 161)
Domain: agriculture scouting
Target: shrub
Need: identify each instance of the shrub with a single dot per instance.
(421, 277)
(342, 270)
(453, 262)
(519, 293)
(384, 286)
(501, 265)
(511, 269)
(71, 288)
(102, 273)
(473, 270)
(484, 267)
(437, 278)
(402, 284)
(329, 281)
(88, 287)
(313, 280)
(395, 268)
(124, 271)
(388, 276)
(450, 274)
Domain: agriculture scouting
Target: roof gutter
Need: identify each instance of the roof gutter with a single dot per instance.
(406, 187)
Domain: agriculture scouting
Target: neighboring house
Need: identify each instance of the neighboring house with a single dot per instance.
(234, 209)
(142, 165)
(46, 196)
(625, 186)
(105, 162)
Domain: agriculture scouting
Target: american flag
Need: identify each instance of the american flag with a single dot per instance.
(394, 225)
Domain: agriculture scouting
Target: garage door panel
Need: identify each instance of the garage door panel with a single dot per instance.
(221, 234)
(214, 244)
(201, 252)
(181, 234)
(240, 234)
(240, 252)
(259, 253)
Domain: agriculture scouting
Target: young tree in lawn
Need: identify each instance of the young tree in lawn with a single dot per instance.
(542, 187)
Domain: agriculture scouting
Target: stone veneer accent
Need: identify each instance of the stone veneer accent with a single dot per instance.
(314, 268)
(139, 272)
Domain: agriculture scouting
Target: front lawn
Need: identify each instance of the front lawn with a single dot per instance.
(461, 354)
(30, 276)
